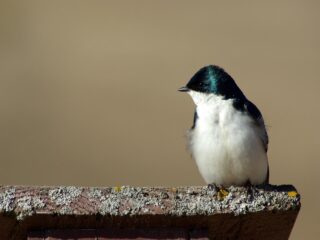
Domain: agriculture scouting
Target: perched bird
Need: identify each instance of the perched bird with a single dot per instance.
(228, 139)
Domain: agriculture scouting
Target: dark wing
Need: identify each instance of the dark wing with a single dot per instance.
(195, 117)
(254, 112)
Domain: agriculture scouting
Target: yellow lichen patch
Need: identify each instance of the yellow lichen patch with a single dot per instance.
(174, 190)
(222, 194)
(292, 194)
(117, 189)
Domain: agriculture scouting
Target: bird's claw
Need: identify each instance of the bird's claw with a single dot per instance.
(213, 187)
(220, 190)
(250, 190)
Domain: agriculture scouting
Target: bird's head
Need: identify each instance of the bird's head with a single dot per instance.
(213, 80)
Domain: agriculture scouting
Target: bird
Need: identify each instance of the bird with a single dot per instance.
(228, 139)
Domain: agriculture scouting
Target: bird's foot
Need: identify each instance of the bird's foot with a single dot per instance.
(213, 187)
(264, 186)
(250, 190)
(221, 191)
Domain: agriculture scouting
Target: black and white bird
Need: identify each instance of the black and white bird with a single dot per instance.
(228, 139)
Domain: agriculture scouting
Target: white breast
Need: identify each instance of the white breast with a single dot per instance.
(225, 143)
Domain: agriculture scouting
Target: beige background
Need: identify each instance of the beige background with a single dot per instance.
(88, 89)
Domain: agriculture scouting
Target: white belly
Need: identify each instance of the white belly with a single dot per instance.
(226, 146)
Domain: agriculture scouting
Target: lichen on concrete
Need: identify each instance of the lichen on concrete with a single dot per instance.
(64, 195)
(28, 206)
(7, 198)
(110, 205)
(133, 201)
(96, 193)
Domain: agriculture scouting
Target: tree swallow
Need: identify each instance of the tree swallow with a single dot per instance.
(228, 139)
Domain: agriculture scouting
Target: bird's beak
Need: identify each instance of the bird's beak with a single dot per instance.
(184, 89)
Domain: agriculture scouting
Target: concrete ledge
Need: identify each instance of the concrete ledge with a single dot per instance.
(266, 213)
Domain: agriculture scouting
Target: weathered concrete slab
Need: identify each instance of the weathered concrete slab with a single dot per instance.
(268, 212)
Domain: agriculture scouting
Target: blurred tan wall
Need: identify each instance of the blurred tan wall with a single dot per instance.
(88, 89)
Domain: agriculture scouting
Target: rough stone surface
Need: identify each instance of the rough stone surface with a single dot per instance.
(21, 207)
